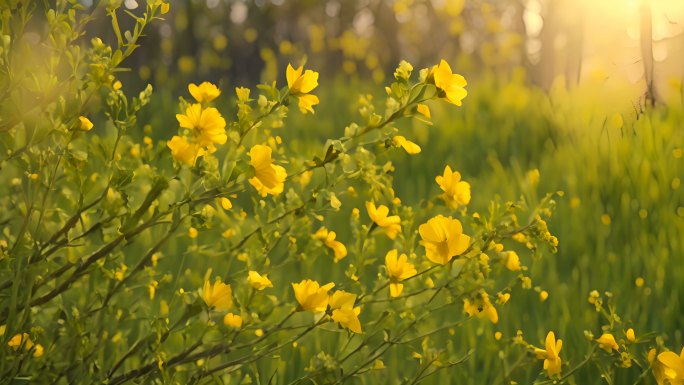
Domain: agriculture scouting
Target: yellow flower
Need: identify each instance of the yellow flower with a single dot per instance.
(306, 103)
(668, 368)
(456, 192)
(502, 298)
(398, 269)
(258, 281)
(344, 312)
(86, 124)
(207, 125)
(218, 296)
(300, 85)
(226, 203)
(630, 335)
(512, 261)
(268, 177)
(23, 339)
(242, 94)
(38, 350)
(193, 233)
(550, 355)
(328, 238)
(408, 146)
(205, 92)
(403, 71)
(20, 339)
(424, 110)
(390, 224)
(443, 239)
(607, 342)
(232, 320)
(481, 307)
(184, 151)
(311, 296)
(450, 85)
(543, 295)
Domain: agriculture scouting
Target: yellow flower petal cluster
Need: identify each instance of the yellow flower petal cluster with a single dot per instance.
(300, 84)
(607, 342)
(328, 238)
(398, 269)
(311, 295)
(408, 146)
(443, 239)
(23, 339)
(258, 281)
(456, 192)
(184, 151)
(667, 367)
(481, 307)
(344, 312)
(631, 337)
(451, 86)
(424, 110)
(217, 296)
(512, 261)
(85, 123)
(390, 224)
(205, 92)
(205, 126)
(550, 355)
(268, 177)
(232, 320)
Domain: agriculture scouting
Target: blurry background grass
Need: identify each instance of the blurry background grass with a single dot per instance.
(548, 90)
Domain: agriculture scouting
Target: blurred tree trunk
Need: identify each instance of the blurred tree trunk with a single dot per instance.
(388, 27)
(545, 70)
(573, 65)
(520, 30)
(646, 41)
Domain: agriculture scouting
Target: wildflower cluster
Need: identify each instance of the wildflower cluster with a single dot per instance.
(113, 229)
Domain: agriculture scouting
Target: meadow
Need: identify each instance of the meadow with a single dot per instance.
(187, 200)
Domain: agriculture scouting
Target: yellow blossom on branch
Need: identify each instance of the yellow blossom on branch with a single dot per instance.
(424, 110)
(456, 192)
(328, 238)
(300, 84)
(311, 295)
(667, 367)
(450, 86)
(23, 339)
(607, 342)
(232, 320)
(398, 269)
(85, 123)
(512, 261)
(268, 177)
(184, 151)
(344, 312)
(550, 355)
(443, 239)
(631, 337)
(206, 124)
(408, 146)
(258, 281)
(481, 307)
(205, 92)
(390, 224)
(218, 295)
